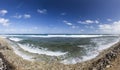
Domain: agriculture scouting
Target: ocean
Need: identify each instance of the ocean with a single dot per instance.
(65, 48)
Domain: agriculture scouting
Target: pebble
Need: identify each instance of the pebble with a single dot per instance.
(108, 66)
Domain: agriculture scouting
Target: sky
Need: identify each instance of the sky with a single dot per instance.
(60, 16)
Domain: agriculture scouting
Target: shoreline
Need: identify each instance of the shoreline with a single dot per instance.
(21, 64)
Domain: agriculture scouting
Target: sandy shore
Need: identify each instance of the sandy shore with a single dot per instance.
(101, 62)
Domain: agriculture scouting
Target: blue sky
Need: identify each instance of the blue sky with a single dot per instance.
(60, 16)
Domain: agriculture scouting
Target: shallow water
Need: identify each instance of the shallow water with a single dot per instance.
(70, 48)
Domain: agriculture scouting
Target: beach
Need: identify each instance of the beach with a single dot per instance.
(104, 61)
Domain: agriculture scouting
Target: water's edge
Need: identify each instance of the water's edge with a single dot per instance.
(101, 59)
(33, 57)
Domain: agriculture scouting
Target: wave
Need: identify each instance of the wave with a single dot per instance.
(72, 36)
(18, 51)
(15, 39)
(24, 56)
(49, 36)
(102, 43)
(91, 53)
(41, 51)
(82, 59)
(102, 47)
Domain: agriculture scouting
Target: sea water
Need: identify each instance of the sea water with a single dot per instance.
(70, 48)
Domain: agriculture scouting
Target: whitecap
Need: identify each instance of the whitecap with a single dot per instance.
(41, 51)
(15, 39)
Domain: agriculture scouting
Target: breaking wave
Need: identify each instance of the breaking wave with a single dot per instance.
(93, 45)
(15, 39)
(41, 51)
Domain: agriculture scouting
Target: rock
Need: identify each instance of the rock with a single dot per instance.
(94, 69)
(108, 66)
(2, 65)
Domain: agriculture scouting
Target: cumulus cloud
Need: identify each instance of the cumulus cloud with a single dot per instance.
(4, 22)
(27, 16)
(113, 28)
(88, 22)
(42, 11)
(3, 12)
(68, 23)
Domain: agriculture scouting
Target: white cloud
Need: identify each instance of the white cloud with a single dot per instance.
(73, 26)
(96, 21)
(42, 11)
(109, 19)
(81, 30)
(113, 28)
(3, 12)
(88, 22)
(90, 27)
(18, 16)
(4, 22)
(27, 16)
(68, 23)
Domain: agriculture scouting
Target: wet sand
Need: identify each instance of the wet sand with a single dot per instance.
(101, 62)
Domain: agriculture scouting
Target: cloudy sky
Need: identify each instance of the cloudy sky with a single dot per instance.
(60, 16)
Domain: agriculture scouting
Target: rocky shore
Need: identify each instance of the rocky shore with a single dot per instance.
(105, 61)
(10, 61)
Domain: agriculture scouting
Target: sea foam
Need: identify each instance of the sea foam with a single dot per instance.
(15, 39)
(72, 36)
(71, 60)
(41, 51)
(48, 36)
(90, 54)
